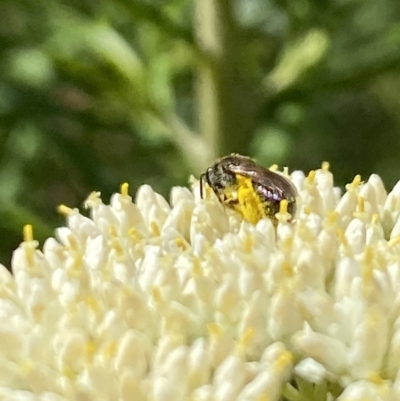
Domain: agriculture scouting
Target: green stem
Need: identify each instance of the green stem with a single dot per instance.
(292, 394)
(225, 98)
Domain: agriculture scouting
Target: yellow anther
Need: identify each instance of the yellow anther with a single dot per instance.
(282, 216)
(331, 218)
(215, 331)
(134, 234)
(90, 349)
(124, 189)
(155, 229)
(112, 230)
(342, 238)
(375, 219)
(355, 183)
(64, 210)
(92, 303)
(286, 171)
(116, 246)
(245, 340)
(360, 204)
(287, 243)
(110, 349)
(375, 377)
(367, 273)
(307, 210)
(311, 177)
(287, 269)
(29, 244)
(325, 166)
(247, 336)
(274, 167)
(156, 294)
(284, 361)
(68, 372)
(263, 397)
(73, 243)
(74, 269)
(197, 271)
(369, 254)
(248, 243)
(368, 268)
(181, 243)
(28, 233)
(93, 200)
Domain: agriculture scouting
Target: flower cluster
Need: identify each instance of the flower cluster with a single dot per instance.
(185, 301)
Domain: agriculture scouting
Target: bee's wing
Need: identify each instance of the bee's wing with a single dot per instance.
(273, 182)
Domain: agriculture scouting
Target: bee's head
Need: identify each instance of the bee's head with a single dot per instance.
(222, 174)
(218, 177)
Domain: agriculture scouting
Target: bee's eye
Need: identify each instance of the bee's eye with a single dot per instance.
(228, 177)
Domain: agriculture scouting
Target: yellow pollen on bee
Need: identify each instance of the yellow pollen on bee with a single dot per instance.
(325, 166)
(250, 204)
(64, 210)
(124, 189)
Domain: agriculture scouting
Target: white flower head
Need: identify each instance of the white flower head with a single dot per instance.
(150, 300)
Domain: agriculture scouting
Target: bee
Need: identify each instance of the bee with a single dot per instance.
(252, 190)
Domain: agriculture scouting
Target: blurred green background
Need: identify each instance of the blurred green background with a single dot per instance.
(96, 93)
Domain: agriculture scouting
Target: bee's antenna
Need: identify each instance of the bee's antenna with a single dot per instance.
(202, 185)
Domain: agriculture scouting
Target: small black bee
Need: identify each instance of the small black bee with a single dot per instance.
(250, 189)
